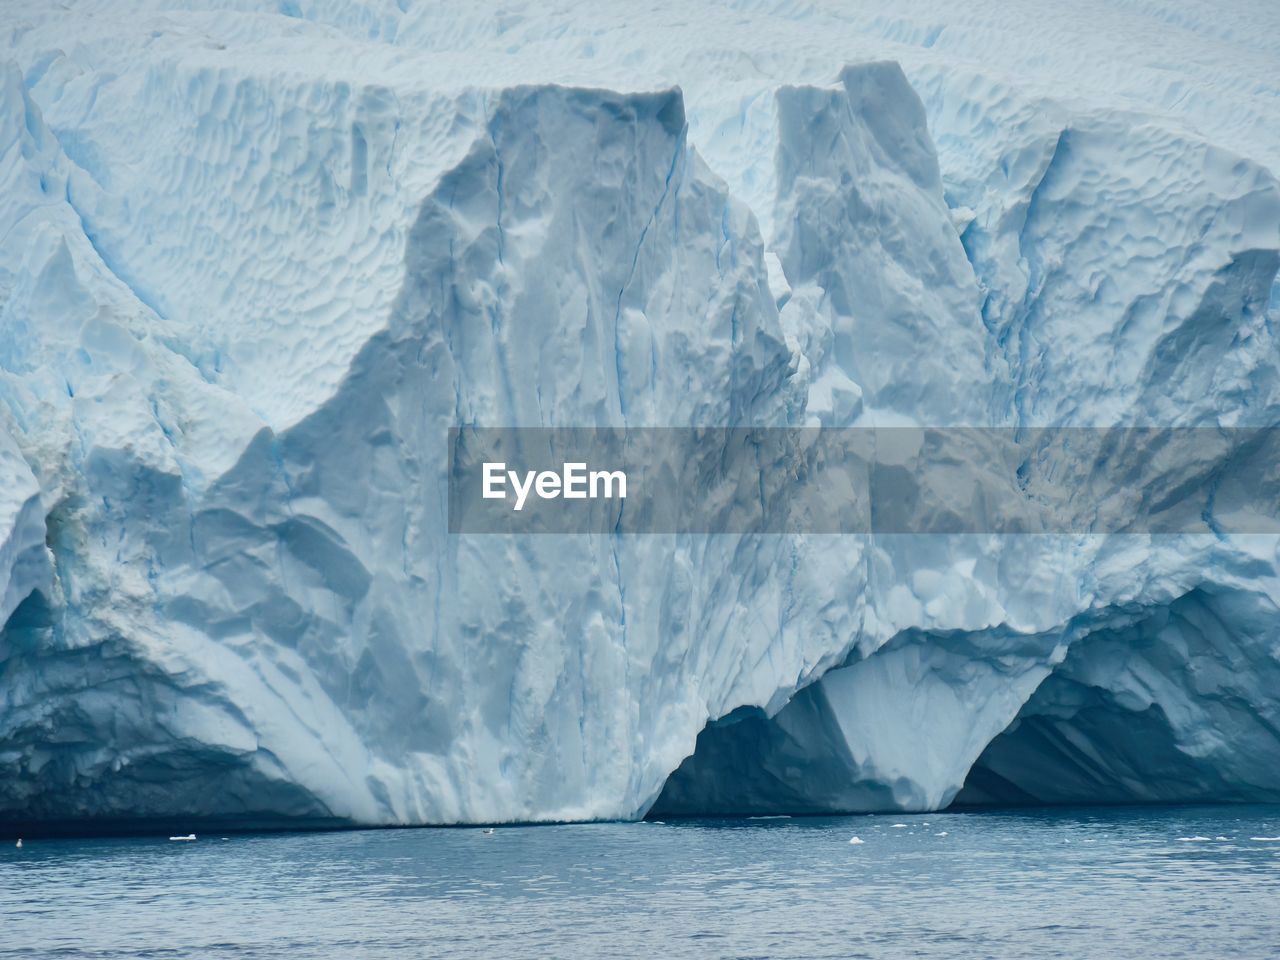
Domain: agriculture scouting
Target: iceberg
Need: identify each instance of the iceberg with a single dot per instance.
(256, 264)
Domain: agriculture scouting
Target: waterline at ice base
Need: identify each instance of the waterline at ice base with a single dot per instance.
(259, 262)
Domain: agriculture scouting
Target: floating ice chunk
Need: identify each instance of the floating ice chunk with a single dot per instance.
(856, 840)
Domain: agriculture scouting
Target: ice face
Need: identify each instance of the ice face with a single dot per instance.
(254, 268)
(24, 567)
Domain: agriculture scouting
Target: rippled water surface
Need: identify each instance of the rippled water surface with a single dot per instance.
(1175, 882)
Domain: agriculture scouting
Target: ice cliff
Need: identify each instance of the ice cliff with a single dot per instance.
(256, 262)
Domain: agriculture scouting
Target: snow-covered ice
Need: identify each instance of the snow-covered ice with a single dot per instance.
(256, 259)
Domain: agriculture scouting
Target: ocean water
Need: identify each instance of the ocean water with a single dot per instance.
(1100, 882)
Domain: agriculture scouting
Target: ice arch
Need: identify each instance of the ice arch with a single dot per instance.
(1160, 707)
(1163, 711)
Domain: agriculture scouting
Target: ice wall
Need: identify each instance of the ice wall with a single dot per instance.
(1174, 331)
(254, 267)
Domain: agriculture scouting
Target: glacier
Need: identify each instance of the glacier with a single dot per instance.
(257, 259)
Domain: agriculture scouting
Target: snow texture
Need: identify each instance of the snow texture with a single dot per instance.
(256, 259)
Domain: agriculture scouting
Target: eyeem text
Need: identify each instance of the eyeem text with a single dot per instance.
(573, 482)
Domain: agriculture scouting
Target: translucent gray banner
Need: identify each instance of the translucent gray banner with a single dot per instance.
(744, 480)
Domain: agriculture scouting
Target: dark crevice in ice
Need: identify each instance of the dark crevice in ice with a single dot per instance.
(749, 764)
